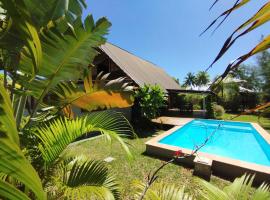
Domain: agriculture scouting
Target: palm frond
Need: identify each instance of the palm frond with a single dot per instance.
(13, 163)
(8, 191)
(263, 192)
(95, 96)
(161, 191)
(262, 46)
(57, 135)
(65, 55)
(240, 189)
(225, 14)
(24, 32)
(85, 179)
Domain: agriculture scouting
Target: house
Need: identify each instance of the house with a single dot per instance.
(121, 63)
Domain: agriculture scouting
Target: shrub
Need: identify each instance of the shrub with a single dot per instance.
(151, 98)
(196, 107)
(218, 111)
(209, 107)
(195, 99)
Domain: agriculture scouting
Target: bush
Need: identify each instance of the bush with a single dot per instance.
(194, 99)
(150, 98)
(210, 107)
(218, 111)
(197, 107)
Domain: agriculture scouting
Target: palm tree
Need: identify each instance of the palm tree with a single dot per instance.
(190, 80)
(45, 49)
(202, 78)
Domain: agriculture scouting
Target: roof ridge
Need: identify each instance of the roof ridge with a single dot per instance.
(136, 56)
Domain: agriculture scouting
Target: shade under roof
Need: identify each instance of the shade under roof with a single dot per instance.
(139, 70)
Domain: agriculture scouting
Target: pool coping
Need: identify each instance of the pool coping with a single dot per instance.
(162, 149)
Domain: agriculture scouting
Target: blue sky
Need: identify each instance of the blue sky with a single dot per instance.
(166, 32)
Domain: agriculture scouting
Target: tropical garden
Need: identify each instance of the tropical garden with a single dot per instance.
(47, 49)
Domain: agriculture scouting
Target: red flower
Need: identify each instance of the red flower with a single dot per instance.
(178, 153)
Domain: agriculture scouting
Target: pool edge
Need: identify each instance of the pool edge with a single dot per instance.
(221, 165)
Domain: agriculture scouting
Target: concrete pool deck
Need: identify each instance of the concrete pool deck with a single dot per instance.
(175, 121)
(223, 166)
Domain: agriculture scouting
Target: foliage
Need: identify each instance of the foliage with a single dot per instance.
(249, 75)
(218, 111)
(264, 65)
(44, 44)
(58, 134)
(13, 163)
(202, 78)
(257, 20)
(194, 99)
(161, 191)
(190, 80)
(240, 189)
(85, 179)
(209, 107)
(115, 93)
(151, 99)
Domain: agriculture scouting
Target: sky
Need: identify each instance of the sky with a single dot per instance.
(166, 32)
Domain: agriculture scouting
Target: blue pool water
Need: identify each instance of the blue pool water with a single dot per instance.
(236, 140)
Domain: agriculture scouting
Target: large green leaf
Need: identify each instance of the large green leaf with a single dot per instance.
(22, 33)
(87, 179)
(98, 95)
(7, 118)
(43, 12)
(57, 135)
(13, 163)
(64, 55)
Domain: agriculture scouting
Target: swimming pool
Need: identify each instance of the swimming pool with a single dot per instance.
(235, 147)
(235, 140)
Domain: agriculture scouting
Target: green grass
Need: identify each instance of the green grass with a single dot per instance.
(126, 172)
(263, 121)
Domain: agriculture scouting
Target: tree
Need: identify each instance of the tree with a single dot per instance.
(264, 65)
(202, 78)
(249, 76)
(46, 45)
(190, 80)
(151, 99)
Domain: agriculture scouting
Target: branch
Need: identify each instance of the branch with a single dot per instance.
(152, 177)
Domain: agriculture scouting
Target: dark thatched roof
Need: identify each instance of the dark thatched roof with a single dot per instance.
(139, 70)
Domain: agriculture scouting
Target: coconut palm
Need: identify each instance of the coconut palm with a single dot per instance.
(202, 78)
(190, 80)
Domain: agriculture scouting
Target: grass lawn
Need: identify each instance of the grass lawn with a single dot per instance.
(264, 122)
(126, 172)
